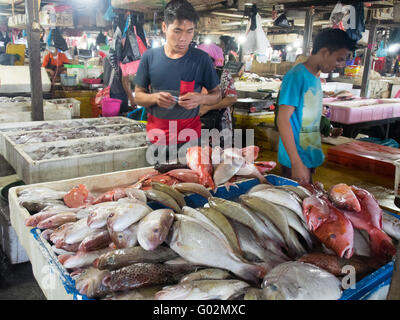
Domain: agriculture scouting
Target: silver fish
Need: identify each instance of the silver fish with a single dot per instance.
(188, 187)
(78, 232)
(135, 294)
(227, 169)
(361, 243)
(203, 290)
(125, 215)
(57, 220)
(207, 274)
(241, 214)
(203, 219)
(195, 243)
(154, 228)
(301, 192)
(176, 195)
(136, 193)
(279, 219)
(83, 259)
(296, 280)
(119, 258)
(249, 244)
(126, 238)
(391, 225)
(281, 197)
(164, 199)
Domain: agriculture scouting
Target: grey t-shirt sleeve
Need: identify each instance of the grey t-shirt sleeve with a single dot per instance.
(142, 77)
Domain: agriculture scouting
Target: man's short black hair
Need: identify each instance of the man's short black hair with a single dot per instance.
(333, 39)
(180, 10)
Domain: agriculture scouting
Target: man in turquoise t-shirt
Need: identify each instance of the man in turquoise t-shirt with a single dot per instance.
(300, 105)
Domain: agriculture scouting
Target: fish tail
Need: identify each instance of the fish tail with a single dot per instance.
(251, 273)
(381, 244)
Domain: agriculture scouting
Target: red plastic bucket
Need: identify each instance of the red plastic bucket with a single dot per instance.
(110, 107)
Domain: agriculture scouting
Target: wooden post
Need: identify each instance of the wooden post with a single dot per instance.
(33, 30)
(308, 29)
(368, 61)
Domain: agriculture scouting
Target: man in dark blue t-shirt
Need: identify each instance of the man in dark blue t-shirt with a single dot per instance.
(170, 78)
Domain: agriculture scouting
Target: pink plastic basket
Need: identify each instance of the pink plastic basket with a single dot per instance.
(110, 107)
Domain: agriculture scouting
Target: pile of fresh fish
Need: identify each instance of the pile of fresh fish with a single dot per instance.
(334, 217)
(75, 123)
(56, 152)
(212, 167)
(74, 133)
(286, 242)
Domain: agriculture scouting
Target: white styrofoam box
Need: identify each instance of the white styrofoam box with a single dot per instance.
(16, 79)
(336, 86)
(17, 116)
(81, 73)
(9, 241)
(131, 155)
(59, 113)
(71, 103)
(51, 276)
(354, 114)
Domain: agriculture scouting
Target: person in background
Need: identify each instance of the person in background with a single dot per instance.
(54, 62)
(169, 83)
(117, 89)
(219, 115)
(300, 106)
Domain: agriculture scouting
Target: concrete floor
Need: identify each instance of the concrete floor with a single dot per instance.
(17, 281)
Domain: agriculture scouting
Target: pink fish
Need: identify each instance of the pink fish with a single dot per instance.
(57, 220)
(342, 196)
(112, 195)
(83, 259)
(250, 153)
(199, 160)
(265, 166)
(78, 197)
(329, 225)
(315, 211)
(184, 175)
(370, 219)
(95, 241)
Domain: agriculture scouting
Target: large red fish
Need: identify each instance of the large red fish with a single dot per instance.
(370, 219)
(343, 197)
(199, 160)
(330, 226)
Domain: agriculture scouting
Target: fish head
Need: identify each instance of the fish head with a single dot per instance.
(273, 291)
(343, 197)
(316, 212)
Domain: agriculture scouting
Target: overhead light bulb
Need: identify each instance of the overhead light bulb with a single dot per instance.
(289, 48)
(207, 40)
(155, 44)
(242, 39)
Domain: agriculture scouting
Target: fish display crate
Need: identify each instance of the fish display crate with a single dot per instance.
(9, 145)
(54, 279)
(131, 155)
(8, 148)
(70, 103)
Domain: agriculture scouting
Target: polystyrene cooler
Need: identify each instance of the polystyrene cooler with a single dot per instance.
(363, 110)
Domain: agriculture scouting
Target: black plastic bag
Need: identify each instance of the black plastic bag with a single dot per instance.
(58, 41)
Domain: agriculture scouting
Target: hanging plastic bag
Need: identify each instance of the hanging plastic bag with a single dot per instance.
(337, 14)
(58, 41)
(256, 41)
(382, 50)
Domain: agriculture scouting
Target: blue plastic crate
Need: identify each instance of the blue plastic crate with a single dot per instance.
(362, 287)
